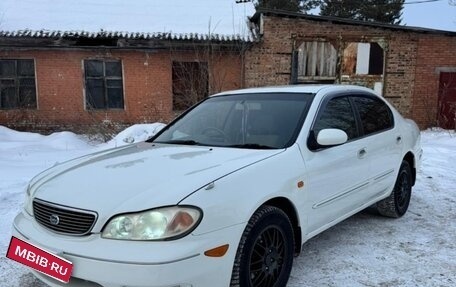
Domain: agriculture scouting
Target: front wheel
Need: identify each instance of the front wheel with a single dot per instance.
(265, 254)
(397, 203)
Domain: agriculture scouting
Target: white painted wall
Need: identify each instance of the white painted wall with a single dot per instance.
(362, 62)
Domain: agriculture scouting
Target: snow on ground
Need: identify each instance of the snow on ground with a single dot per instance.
(364, 250)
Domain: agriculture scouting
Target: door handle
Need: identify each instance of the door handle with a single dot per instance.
(398, 139)
(362, 153)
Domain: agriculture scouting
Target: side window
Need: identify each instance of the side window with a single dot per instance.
(338, 114)
(375, 115)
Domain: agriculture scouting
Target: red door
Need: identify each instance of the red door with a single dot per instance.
(447, 101)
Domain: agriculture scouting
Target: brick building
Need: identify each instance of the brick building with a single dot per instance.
(413, 68)
(67, 80)
(57, 80)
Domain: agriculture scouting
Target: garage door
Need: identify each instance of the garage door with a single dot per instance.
(447, 101)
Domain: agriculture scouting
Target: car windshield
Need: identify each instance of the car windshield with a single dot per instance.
(256, 121)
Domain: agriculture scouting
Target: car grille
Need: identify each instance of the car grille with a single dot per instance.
(63, 219)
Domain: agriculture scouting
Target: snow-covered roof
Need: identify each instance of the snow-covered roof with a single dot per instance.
(150, 17)
(123, 35)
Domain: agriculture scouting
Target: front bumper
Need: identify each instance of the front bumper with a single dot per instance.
(117, 263)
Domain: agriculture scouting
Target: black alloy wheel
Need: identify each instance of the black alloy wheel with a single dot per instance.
(265, 254)
(403, 192)
(397, 203)
(266, 259)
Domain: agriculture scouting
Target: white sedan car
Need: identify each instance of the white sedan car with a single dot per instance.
(227, 193)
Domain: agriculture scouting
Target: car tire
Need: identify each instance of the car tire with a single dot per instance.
(265, 253)
(396, 204)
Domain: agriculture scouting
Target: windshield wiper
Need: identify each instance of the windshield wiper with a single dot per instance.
(183, 142)
(251, 146)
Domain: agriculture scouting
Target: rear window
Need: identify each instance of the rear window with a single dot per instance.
(375, 115)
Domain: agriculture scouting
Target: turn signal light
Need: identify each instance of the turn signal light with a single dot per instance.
(217, 251)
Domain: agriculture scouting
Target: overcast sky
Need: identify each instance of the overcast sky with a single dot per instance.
(437, 15)
(179, 16)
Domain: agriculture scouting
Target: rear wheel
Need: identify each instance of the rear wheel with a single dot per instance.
(397, 203)
(265, 253)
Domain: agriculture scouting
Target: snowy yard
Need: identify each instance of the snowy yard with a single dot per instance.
(365, 250)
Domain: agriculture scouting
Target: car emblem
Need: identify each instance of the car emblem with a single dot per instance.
(54, 219)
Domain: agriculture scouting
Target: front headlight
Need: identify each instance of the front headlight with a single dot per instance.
(156, 224)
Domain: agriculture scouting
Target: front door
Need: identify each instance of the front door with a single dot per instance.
(338, 177)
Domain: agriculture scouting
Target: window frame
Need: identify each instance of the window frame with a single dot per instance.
(17, 86)
(370, 60)
(322, 77)
(105, 79)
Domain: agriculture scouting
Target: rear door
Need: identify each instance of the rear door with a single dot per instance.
(383, 142)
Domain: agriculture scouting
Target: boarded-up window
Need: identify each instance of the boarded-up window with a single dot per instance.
(363, 59)
(104, 86)
(190, 84)
(17, 84)
(317, 61)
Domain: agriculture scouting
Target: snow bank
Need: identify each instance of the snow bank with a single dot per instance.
(59, 140)
(7, 134)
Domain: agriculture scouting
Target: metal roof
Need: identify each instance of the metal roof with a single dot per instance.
(336, 20)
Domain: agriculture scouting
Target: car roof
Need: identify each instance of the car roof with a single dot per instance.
(305, 89)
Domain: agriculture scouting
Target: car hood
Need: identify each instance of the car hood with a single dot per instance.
(139, 176)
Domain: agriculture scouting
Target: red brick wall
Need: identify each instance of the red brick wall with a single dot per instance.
(147, 87)
(435, 53)
(410, 78)
(226, 72)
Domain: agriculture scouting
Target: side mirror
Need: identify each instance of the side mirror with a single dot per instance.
(331, 137)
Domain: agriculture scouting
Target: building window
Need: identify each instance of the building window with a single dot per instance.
(104, 86)
(317, 61)
(190, 84)
(17, 84)
(363, 59)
